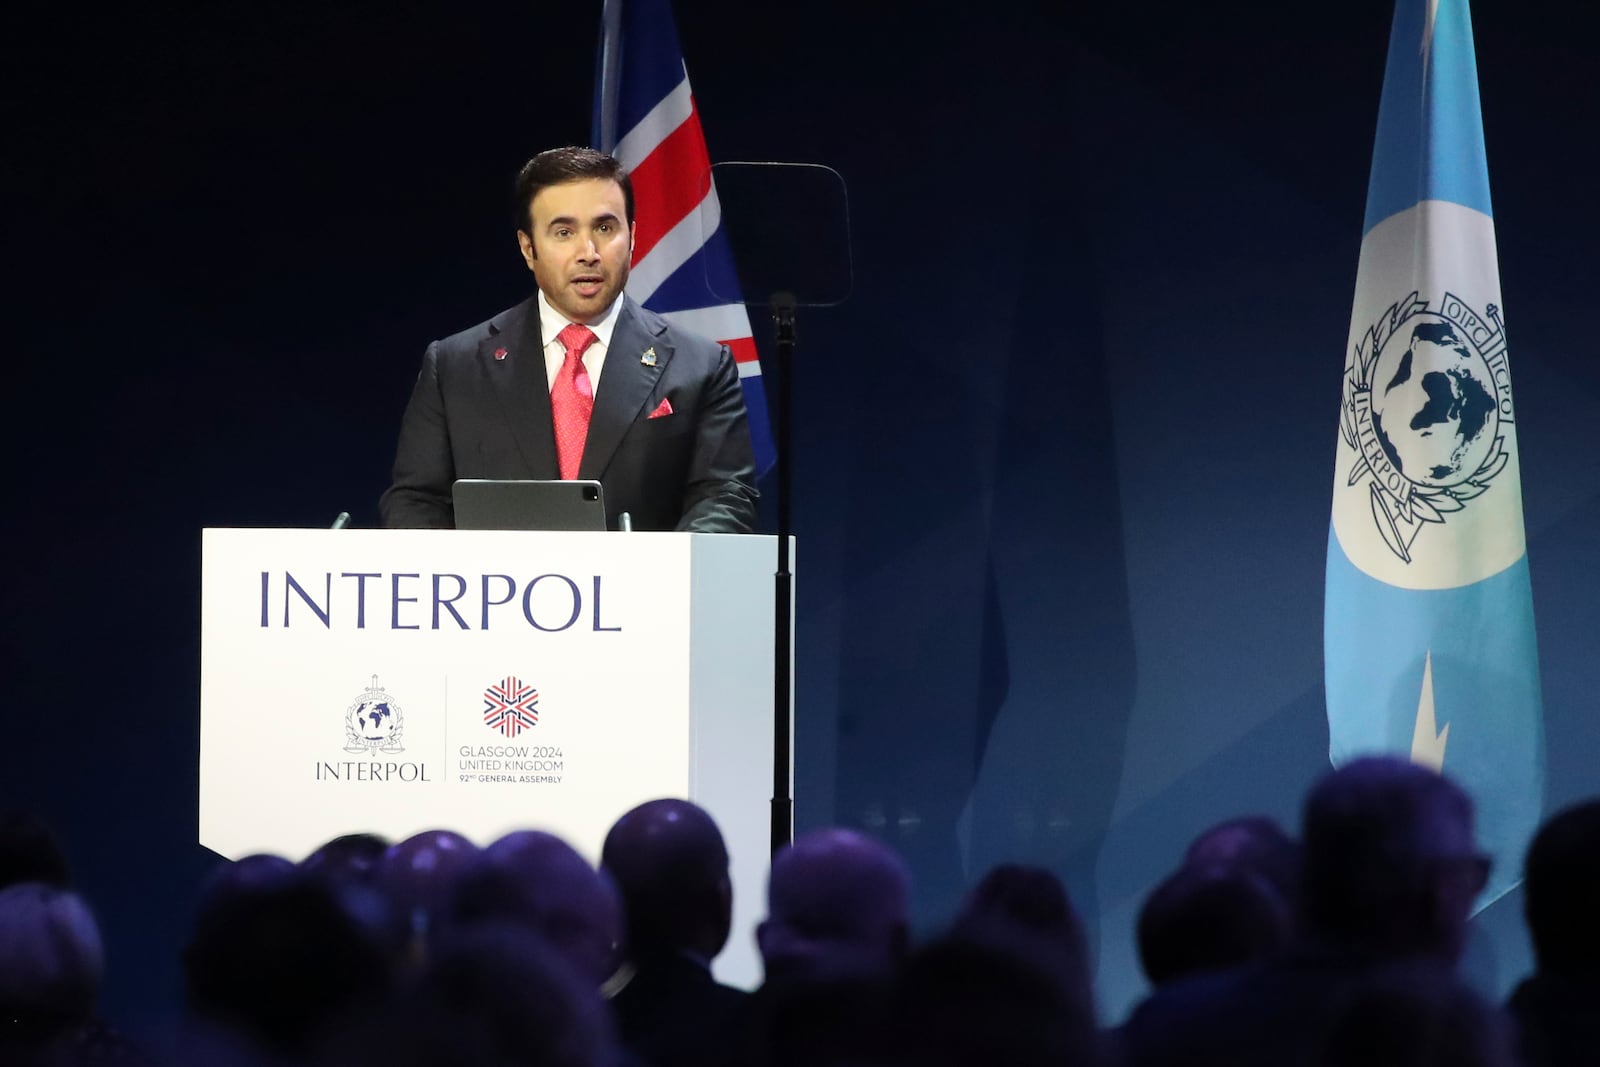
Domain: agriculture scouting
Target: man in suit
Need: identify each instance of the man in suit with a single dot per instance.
(579, 381)
(670, 866)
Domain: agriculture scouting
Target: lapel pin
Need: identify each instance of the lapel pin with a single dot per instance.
(499, 353)
(649, 357)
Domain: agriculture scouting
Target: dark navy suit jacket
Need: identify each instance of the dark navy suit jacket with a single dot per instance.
(481, 409)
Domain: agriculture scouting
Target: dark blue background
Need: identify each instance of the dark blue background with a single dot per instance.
(1062, 466)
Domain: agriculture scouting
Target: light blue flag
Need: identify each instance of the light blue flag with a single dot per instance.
(1428, 632)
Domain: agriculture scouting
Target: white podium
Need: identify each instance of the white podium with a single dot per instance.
(395, 681)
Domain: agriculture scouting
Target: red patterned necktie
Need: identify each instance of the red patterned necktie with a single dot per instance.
(572, 399)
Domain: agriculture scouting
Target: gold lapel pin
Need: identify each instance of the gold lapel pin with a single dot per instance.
(649, 357)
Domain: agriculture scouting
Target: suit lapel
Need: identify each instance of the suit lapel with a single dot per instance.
(625, 384)
(522, 385)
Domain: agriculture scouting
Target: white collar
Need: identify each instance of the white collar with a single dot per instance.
(552, 322)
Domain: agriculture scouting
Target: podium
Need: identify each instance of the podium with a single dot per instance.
(395, 681)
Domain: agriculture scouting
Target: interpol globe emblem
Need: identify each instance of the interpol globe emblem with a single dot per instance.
(1426, 392)
(373, 722)
(1434, 415)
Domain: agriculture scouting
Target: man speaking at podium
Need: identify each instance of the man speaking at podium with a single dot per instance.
(579, 381)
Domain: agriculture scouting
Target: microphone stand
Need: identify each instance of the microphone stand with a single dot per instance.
(783, 314)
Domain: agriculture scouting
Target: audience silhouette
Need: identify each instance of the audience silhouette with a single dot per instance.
(536, 880)
(1557, 1010)
(276, 962)
(1204, 919)
(1336, 950)
(1388, 879)
(670, 865)
(51, 962)
(838, 907)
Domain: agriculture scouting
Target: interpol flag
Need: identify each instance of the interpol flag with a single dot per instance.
(1428, 626)
(683, 267)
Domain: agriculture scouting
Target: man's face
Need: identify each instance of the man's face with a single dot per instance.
(580, 246)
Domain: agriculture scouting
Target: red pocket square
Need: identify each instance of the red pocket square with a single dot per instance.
(662, 410)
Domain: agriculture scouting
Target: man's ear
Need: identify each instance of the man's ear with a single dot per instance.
(525, 243)
(724, 912)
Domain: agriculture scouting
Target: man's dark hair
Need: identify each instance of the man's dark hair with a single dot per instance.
(275, 958)
(558, 166)
(1561, 880)
(1205, 919)
(29, 852)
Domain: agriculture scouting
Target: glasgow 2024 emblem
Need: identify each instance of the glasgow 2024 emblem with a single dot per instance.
(511, 706)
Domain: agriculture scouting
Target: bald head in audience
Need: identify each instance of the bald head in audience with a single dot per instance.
(51, 960)
(538, 881)
(351, 859)
(418, 877)
(669, 863)
(838, 907)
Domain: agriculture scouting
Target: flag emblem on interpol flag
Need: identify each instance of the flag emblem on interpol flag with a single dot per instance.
(1427, 396)
(511, 706)
(1428, 627)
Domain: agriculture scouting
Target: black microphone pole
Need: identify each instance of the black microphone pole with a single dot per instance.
(783, 309)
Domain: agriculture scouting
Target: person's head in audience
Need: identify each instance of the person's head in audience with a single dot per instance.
(29, 852)
(668, 861)
(349, 859)
(1390, 865)
(1205, 919)
(1561, 889)
(418, 878)
(963, 1003)
(1025, 912)
(536, 880)
(1415, 1019)
(493, 995)
(838, 907)
(51, 961)
(275, 959)
(1255, 844)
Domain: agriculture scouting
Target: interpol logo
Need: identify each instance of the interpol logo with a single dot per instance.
(373, 722)
(1427, 391)
(510, 706)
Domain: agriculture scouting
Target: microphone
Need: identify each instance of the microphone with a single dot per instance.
(338, 523)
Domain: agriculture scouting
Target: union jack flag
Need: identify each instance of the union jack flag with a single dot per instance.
(645, 115)
(510, 706)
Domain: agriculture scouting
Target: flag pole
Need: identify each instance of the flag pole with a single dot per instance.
(609, 61)
(783, 314)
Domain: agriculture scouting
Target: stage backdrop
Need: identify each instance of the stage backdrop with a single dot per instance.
(1062, 464)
